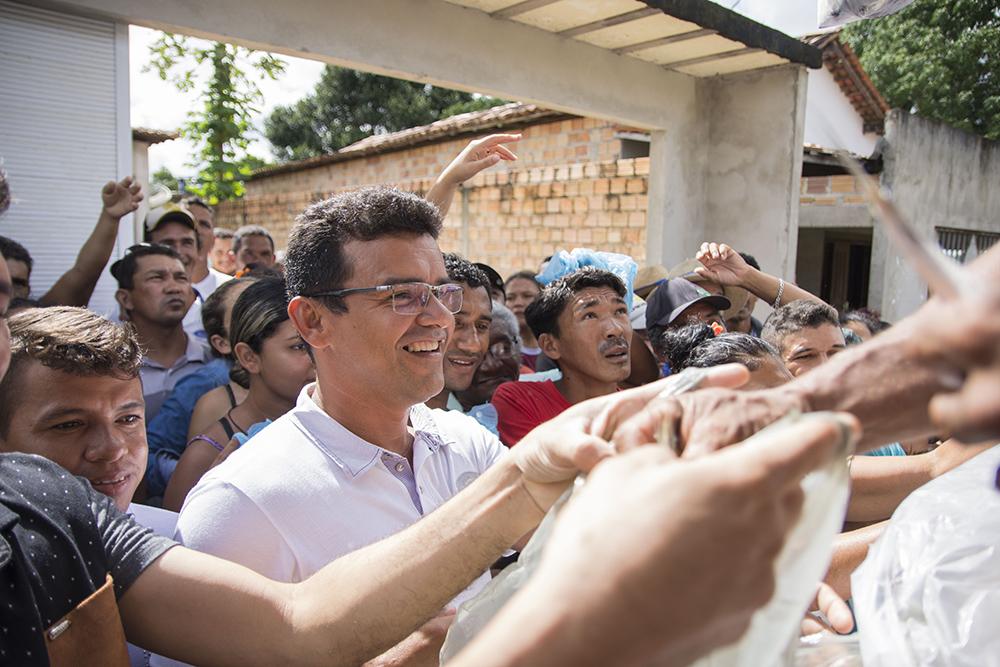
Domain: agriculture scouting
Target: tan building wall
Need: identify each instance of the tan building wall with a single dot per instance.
(568, 189)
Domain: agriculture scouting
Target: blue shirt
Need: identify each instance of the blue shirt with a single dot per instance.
(167, 431)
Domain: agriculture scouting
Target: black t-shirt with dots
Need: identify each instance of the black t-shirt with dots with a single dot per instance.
(58, 540)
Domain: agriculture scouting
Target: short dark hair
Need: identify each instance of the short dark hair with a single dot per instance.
(461, 270)
(750, 259)
(697, 346)
(213, 311)
(197, 201)
(250, 230)
(124, 269)
(543, 313)
(12, 250)
(523, 275)
(795, 316)
(72, 340)
(315, 260)
(223, 233)
(870, 318)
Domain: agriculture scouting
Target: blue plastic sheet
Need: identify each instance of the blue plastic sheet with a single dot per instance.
(563, 263)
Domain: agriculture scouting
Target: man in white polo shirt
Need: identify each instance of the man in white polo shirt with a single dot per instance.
(360, 457)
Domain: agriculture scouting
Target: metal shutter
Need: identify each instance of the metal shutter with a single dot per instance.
(64, 132)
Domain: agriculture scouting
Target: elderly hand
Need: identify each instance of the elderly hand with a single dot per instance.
(657, 556)
(554, 453)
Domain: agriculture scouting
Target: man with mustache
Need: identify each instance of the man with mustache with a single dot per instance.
(154, 293)
(581, 321)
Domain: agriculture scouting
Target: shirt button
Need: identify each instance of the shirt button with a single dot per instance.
(400, 467)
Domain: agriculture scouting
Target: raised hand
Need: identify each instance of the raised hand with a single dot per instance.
(121, 198)
(722, 264)
(478, 155)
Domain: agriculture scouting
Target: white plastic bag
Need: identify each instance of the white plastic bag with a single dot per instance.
(838, 12)
(928, 594)
(774, 630)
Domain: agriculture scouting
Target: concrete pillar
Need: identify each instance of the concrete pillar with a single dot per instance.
(754, 163)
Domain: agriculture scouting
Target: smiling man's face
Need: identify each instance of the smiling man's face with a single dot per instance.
(92, 425)
(471, 339)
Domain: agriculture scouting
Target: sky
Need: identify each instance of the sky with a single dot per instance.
(149, 94)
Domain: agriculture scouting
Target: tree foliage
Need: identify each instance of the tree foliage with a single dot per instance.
(221, 129)
(938, 58)
(348, 105)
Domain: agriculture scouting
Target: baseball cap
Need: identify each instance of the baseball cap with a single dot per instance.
(169, 212)
(496, 280)
(675, 296)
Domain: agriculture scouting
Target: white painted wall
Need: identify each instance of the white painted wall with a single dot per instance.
(831, 121)
(64, 132)
(939, 177)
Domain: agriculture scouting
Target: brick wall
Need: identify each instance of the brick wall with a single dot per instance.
(830, 191)
(567, 190)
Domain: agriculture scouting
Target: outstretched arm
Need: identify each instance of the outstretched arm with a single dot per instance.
(725, 266)
(478, 155)
(76, 286)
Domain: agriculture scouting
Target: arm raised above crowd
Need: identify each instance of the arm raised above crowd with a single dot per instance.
(75, 287)
(478, 155)
(725, 266)
(887, 383)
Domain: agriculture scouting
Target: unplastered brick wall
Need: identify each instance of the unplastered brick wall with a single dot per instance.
(830, 191)
(568, 189)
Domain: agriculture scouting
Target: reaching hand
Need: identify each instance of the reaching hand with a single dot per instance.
(722, 264)
(658, 555)
(121, 198)
(555, 452)
(833, 614)
(478, 155)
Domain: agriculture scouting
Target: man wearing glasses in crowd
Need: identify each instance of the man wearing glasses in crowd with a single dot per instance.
(360, 457)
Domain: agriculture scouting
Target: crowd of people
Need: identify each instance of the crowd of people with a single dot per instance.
(318, 459)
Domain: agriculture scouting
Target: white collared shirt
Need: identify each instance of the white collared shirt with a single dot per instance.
(305, 490)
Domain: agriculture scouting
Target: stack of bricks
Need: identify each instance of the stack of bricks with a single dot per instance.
(566, 190)
(830, 191)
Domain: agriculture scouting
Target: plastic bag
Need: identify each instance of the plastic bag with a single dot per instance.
(928, 593)
(838, 12)
(825, 649)
(773, 633)
(772, 637)
(564, 263)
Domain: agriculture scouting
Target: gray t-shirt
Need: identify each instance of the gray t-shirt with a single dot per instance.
(58, 540)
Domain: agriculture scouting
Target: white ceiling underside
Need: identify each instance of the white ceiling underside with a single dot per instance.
(634, 29)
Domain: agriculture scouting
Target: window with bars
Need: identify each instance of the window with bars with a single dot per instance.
(963, 245)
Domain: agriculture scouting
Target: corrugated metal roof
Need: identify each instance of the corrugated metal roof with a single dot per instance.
(695, 37)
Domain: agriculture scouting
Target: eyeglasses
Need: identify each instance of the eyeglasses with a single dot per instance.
(409, 298)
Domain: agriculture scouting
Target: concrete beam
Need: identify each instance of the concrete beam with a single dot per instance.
(431, 41)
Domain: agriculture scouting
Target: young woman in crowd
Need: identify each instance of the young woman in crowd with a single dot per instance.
(274, 359)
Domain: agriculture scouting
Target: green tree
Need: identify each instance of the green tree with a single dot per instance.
(164, 177)
(938, 58)
(348, 105)
(221, 129)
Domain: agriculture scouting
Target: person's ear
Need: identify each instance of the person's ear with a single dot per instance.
(247, 358)
(313, 321)
(220, 344)
(549, 345)
(124, 299)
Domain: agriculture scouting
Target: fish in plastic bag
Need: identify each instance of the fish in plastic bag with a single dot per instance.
(838, 12)
(928, 593)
